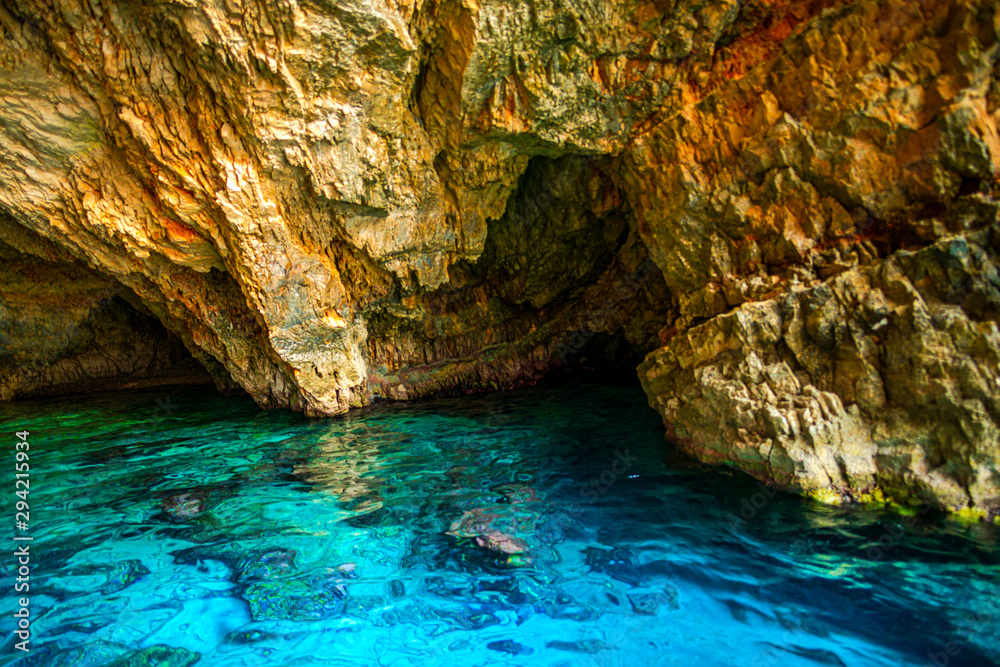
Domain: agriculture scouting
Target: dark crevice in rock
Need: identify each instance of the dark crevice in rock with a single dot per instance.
(562, 286)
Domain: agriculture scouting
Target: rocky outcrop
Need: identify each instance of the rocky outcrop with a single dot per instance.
(881, 382)
(265, 178)
(816, 346)
(329, 204)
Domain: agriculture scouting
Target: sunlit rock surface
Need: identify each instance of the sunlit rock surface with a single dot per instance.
(790, 207)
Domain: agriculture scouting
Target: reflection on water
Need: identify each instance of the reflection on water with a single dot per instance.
(544, 527)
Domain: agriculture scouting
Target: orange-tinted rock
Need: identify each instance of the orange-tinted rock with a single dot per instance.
(328, 205)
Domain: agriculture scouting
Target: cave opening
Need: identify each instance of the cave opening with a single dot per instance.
(564, 289)
(788, 212)
(65, 329)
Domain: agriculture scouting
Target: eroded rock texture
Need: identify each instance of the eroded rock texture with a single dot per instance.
(65, 328)
(790, 206)
(837, 328)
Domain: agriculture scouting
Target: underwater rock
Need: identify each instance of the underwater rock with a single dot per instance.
(274, 593)
(503, 543)
(98, 652)
(248, 636)
(116, 577)
(294, 600)
(565, 607)
(649, 603)
(760, 196)
(484, 526)
(157, 656)
(511, 647)
(123, 574)
(184, 506)
(616, 563)
(589, 646)
(271, 564)
(644, 603)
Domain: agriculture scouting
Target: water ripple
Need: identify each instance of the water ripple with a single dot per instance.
(480, 531)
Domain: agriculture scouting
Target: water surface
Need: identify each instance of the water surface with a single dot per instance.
(542, 527)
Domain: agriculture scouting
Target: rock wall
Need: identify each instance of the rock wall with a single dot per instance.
(827, 222)
(789, 206)
(65, 328)
(881, 382)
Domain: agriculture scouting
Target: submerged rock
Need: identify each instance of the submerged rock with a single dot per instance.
(270, 564)
(157, 656)
(616, 563)
(511, 647)
(590, 646)
(122, 575)
(294, 600)
(650, 603)
(184, 506)
(486, 527)
(507, 544)
(248, 637)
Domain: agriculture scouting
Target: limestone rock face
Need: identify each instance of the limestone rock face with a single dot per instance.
(262, 177)
(826, 222)
(326, 203)
(880, 382)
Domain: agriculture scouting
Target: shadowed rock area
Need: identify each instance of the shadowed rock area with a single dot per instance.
(790, 207)
(66, 329)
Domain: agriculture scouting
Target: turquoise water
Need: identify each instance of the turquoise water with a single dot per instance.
(543, 527)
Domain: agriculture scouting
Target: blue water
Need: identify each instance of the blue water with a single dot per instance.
(542, 527)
